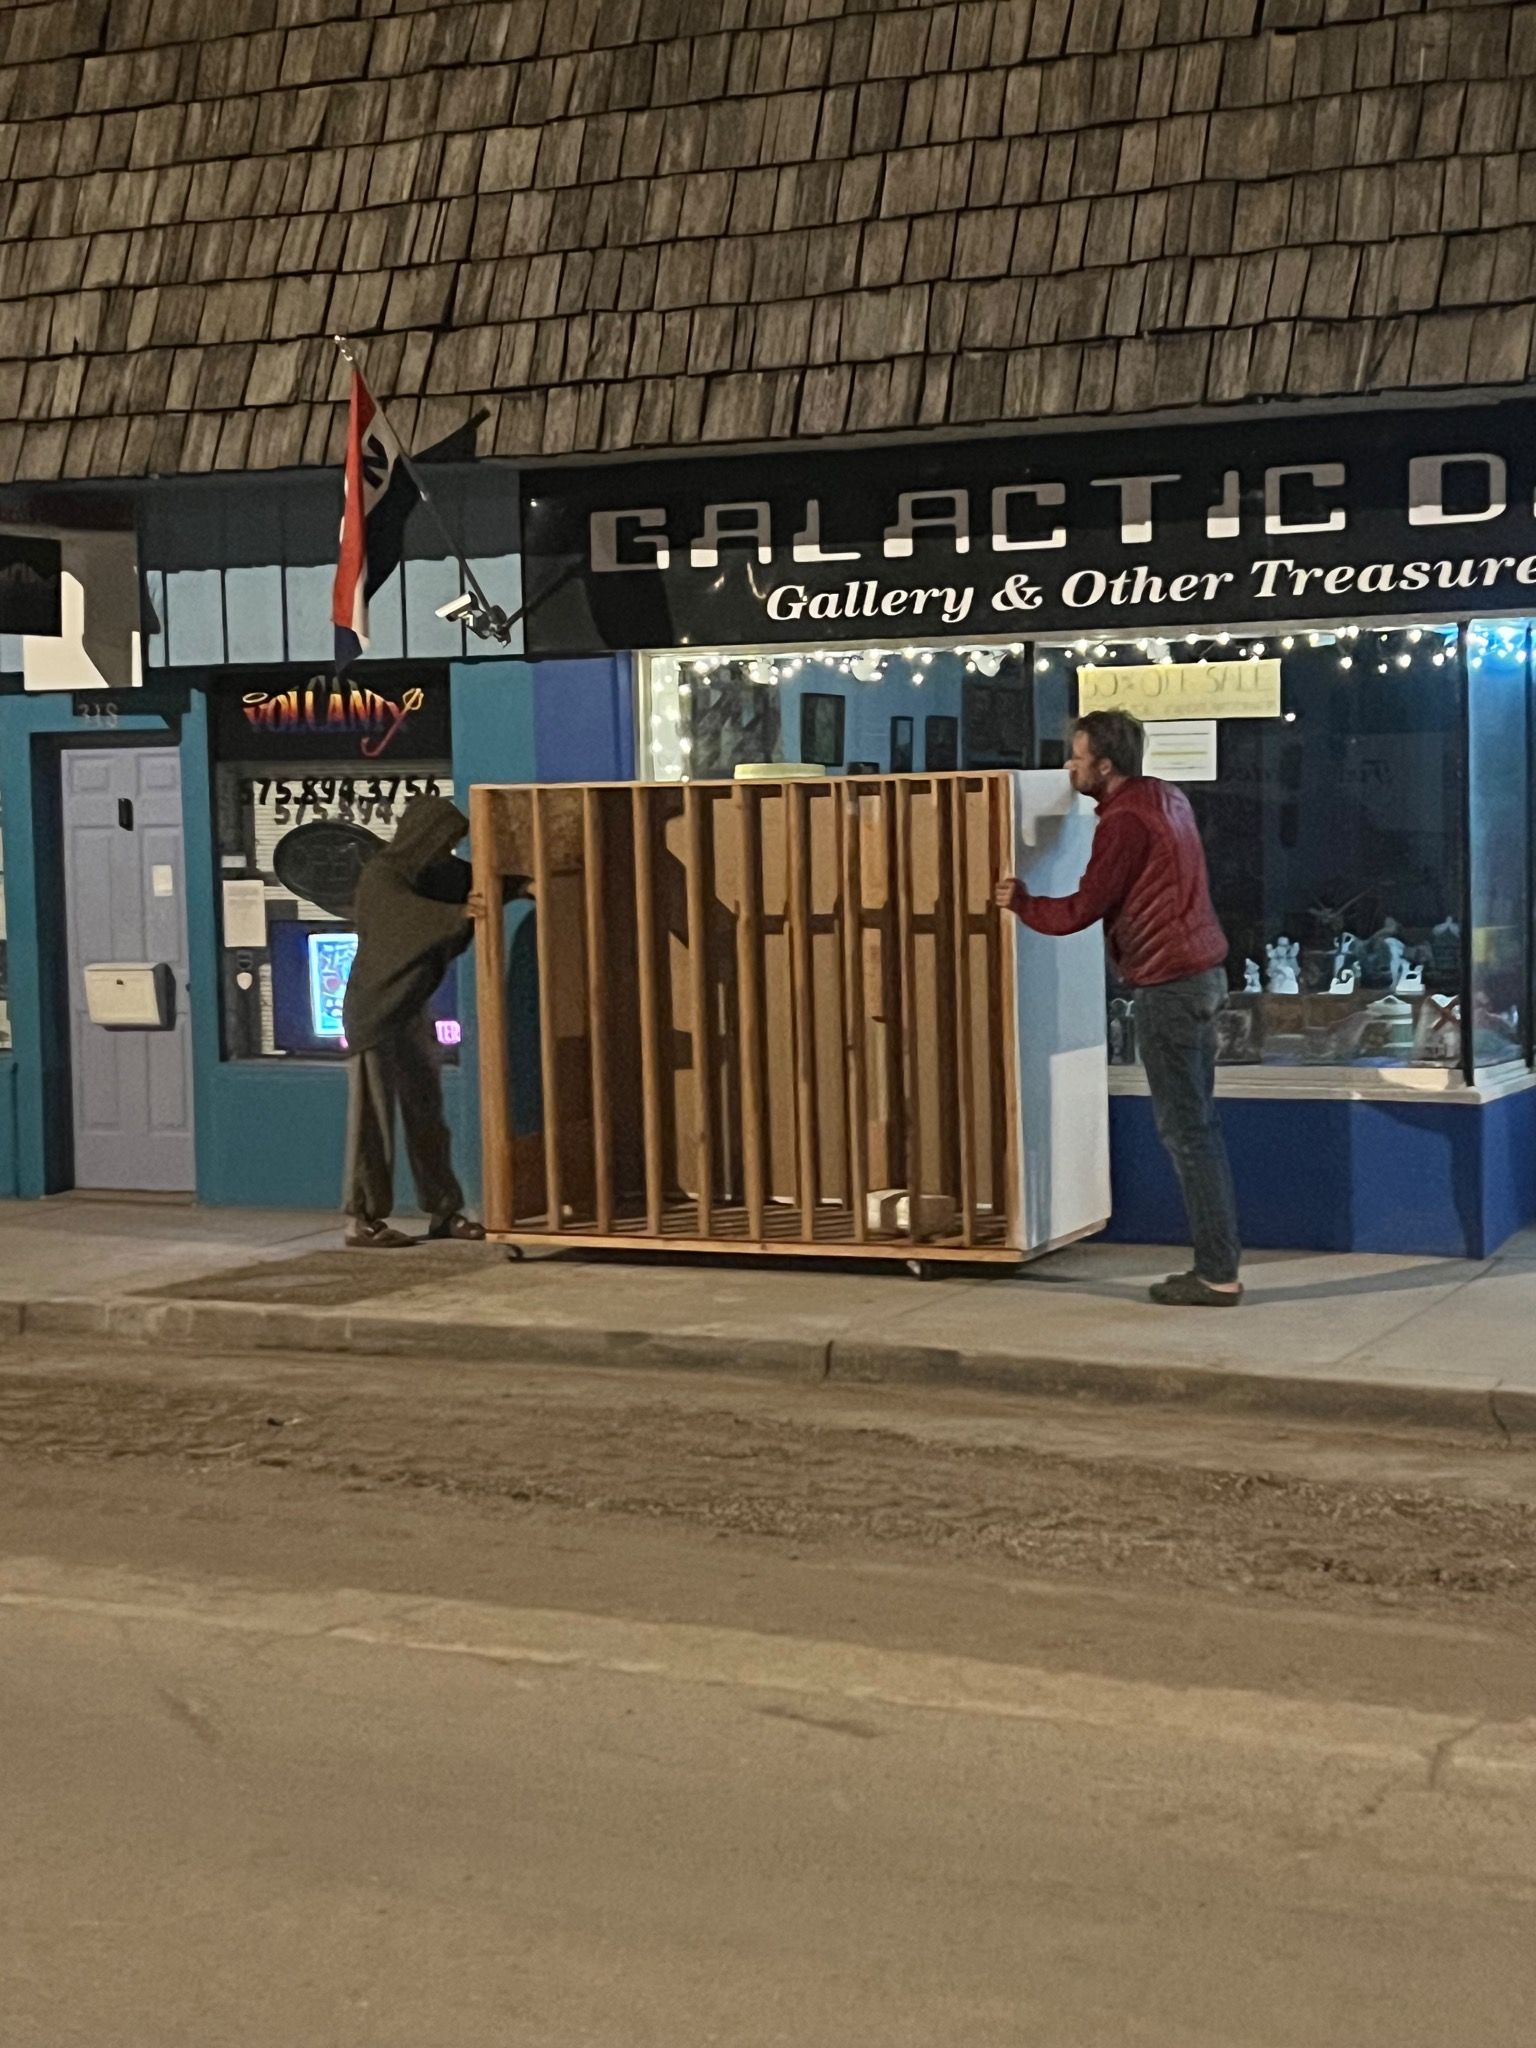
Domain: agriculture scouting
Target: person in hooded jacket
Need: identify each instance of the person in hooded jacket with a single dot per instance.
(412, 918)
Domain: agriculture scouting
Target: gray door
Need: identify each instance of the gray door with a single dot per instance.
(125, 901)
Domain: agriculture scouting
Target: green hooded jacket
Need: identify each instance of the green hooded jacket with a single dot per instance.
(411, 921)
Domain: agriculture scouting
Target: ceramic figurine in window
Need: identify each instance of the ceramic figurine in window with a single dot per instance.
(1284, 958)
(1445, 948)
(1122, 1032)
(1345, 979)
(1437, 1038)
(1389, 1028)
(1411, 981)
(1385, 955)
(1252, 984)
(1347, 954)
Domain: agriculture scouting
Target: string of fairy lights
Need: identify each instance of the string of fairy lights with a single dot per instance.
(1351, 645)
(1352, 649)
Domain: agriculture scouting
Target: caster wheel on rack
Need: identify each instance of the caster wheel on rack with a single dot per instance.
(515, 1254)
(920, 1269)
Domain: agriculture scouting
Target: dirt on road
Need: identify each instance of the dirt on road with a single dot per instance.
(1317, 1513)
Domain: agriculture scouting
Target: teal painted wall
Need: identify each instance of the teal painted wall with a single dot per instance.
(255, 1108)
(270, 1133)
(8, 1187)
(275, 1129)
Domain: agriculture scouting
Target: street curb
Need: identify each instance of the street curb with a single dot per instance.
(1308, 1396)
(259, 1326)
(253, 1326)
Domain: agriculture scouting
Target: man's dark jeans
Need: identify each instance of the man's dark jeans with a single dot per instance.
(1176, 1038)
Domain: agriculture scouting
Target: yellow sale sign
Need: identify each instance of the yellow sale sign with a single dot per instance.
(1184, 689)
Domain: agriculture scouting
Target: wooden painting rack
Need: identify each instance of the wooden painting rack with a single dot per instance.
(761, 1006)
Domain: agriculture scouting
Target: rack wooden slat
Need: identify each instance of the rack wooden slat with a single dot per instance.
(597, 1004)
(807, 1134)
(549, 1069)
(749, 994)
(694, 800)
(850, 908)
(490, 984)
(911, 1075)
(965, 1086)
(642, 825)
(788, 1032)
(947, 1052)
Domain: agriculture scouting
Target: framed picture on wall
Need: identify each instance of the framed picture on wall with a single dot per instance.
(901, 746)
(941, 743)
(822, 718)
(997, 725)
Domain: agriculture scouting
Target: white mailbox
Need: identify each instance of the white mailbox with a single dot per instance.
(131, 995)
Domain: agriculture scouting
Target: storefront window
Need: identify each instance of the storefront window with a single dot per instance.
(1499, 780)
(876, 711)
(1334, 838)
(1382, 794)
(312, 779)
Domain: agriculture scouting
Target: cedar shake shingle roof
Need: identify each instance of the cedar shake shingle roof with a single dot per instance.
(619, 224)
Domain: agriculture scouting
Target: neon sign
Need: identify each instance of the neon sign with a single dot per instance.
(330, 963)
(325, 709)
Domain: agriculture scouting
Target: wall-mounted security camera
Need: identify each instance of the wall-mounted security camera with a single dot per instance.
(485, 621)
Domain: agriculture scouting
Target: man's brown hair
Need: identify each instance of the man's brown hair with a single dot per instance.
(1115, 737)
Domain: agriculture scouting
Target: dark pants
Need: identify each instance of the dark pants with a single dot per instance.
(1176, 1038)
(401, 1071)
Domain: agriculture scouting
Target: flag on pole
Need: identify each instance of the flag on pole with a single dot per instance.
(380, 492)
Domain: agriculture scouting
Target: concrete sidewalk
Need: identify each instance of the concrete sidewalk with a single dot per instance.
(1393, 1338)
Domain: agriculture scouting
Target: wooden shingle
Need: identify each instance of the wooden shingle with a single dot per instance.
(623, 224)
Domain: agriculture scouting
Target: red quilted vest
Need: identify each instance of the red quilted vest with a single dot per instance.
(1166, 927)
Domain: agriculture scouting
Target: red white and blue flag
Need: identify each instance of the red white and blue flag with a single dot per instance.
(380, 492)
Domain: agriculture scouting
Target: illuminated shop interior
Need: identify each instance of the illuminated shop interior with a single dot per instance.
(1370, 847)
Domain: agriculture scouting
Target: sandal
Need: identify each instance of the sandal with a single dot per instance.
(376, 1237)
(460, 1229)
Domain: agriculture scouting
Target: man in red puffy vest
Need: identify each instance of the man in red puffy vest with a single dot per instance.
(1147, 882)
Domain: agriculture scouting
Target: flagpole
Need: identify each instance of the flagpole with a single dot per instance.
(344, 345)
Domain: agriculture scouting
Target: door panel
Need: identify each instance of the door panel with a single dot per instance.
(125, 899)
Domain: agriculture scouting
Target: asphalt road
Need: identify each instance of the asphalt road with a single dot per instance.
(345, 1749)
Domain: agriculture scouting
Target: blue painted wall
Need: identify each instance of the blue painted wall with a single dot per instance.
(584, 721)
(520, 721)
(1429, 1178)
(1509, 1167)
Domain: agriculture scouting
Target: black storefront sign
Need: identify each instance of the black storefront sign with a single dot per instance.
(31, 584)
(322, 862)
(1418, 514)
(376, 715)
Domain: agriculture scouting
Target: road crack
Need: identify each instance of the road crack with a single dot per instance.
(1439, 1758)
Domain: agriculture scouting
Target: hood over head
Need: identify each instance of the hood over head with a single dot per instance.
(430, 827)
